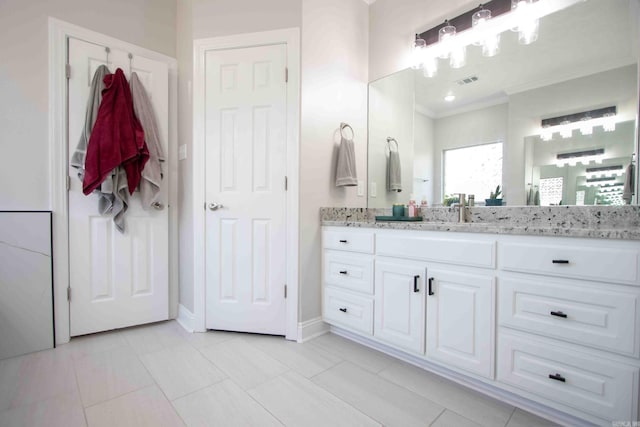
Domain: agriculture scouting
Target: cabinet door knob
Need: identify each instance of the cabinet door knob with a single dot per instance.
(560, 261)
(558, 314)
(557, 377)
(343, 241)
(344, 310)
(343, 272)
(430, 286)
(415, 284)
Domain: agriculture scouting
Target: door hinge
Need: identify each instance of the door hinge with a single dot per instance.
(67, 71)
(68, 183)
(286, 183)
(286, 74)
(285, 291)
(69, 293)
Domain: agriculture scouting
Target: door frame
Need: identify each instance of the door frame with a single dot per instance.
(59, 32)
(291, 38)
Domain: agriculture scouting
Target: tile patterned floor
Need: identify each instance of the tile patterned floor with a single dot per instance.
(160, 375)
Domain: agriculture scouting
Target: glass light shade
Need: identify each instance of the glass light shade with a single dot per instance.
(419, 47)
(565, 130)
(527, 28)
(445, 34)
(546, 134)
(430, 66)
(491, 45)
(478, 19)
(458, 57)
(586, 127)
(609, 123)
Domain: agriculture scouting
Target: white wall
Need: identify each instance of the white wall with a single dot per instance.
(466, 129)
(334, 90)
(24, 165)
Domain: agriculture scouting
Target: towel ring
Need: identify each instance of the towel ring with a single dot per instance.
(389, 141)
(342, 127)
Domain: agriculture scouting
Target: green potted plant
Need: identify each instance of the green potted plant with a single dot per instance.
(493, 198)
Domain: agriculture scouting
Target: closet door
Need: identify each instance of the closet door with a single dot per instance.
(116, 279)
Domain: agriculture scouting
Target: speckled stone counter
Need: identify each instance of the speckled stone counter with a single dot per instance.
(600, 222)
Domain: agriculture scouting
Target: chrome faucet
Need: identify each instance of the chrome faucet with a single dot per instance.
(462, 217)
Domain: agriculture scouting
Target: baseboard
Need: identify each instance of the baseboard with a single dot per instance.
(185, 318)
(311, 328)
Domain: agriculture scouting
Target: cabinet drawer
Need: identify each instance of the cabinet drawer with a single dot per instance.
(475, 253)
(601, 264)
(582, 381)
(603, 318)
(351, 311)
(349, 270)
(348, 240)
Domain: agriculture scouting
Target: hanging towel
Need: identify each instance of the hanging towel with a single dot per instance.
(152, 172)
(117, 137)
(629, 181)
(346, 175)
(394, 172)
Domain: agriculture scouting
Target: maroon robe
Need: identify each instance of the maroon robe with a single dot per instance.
(117, 137)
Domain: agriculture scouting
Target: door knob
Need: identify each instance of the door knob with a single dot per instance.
(214, 206)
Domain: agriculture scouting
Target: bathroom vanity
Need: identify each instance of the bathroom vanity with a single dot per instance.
(548, 323)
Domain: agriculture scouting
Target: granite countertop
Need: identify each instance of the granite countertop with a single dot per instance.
(599, 222)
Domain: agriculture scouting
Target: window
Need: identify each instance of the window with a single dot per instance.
(473, 170)
(551, 191)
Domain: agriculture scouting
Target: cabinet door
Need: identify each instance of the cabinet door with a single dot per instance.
(460, 320)
(400, 303)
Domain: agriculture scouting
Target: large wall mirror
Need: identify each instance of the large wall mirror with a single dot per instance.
(466, 130)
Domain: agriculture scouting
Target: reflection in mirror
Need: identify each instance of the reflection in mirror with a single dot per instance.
(577, 64)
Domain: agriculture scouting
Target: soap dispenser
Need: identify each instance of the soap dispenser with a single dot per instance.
(412, 208)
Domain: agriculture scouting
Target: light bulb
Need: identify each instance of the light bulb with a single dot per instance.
(445, 34)
(419, 47)
(585, 126)
(430, 66)
(458, 57)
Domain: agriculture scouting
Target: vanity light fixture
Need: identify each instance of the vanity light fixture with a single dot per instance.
(603, 171)
(585, 157)
(584, 121)
(482, 27)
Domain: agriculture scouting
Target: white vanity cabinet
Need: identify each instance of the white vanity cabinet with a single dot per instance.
(569, 324)
(551, 324)
(460, 320)
(348, 279)
(400, 303)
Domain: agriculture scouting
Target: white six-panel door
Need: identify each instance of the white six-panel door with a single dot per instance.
(245, 146)
(116, 280)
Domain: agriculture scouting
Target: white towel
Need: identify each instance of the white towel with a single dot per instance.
(346, 175)
(394, 172)
(629, 181)
(152, 172)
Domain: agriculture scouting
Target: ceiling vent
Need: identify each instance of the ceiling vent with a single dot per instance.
(467, 80)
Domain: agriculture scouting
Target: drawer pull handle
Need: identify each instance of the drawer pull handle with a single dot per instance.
(344, 310)
(558, 314)
(343, 241)
(430, 286)
(560, 261)
(557, 377)
(343, 272)
(415, 284)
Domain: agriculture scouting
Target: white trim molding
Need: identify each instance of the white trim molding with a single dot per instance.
(290, 37)
(185, 318)
(312, 328)
(59, 33)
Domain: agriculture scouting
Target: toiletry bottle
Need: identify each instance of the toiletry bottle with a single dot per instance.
(413, 208)
(472, 201)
